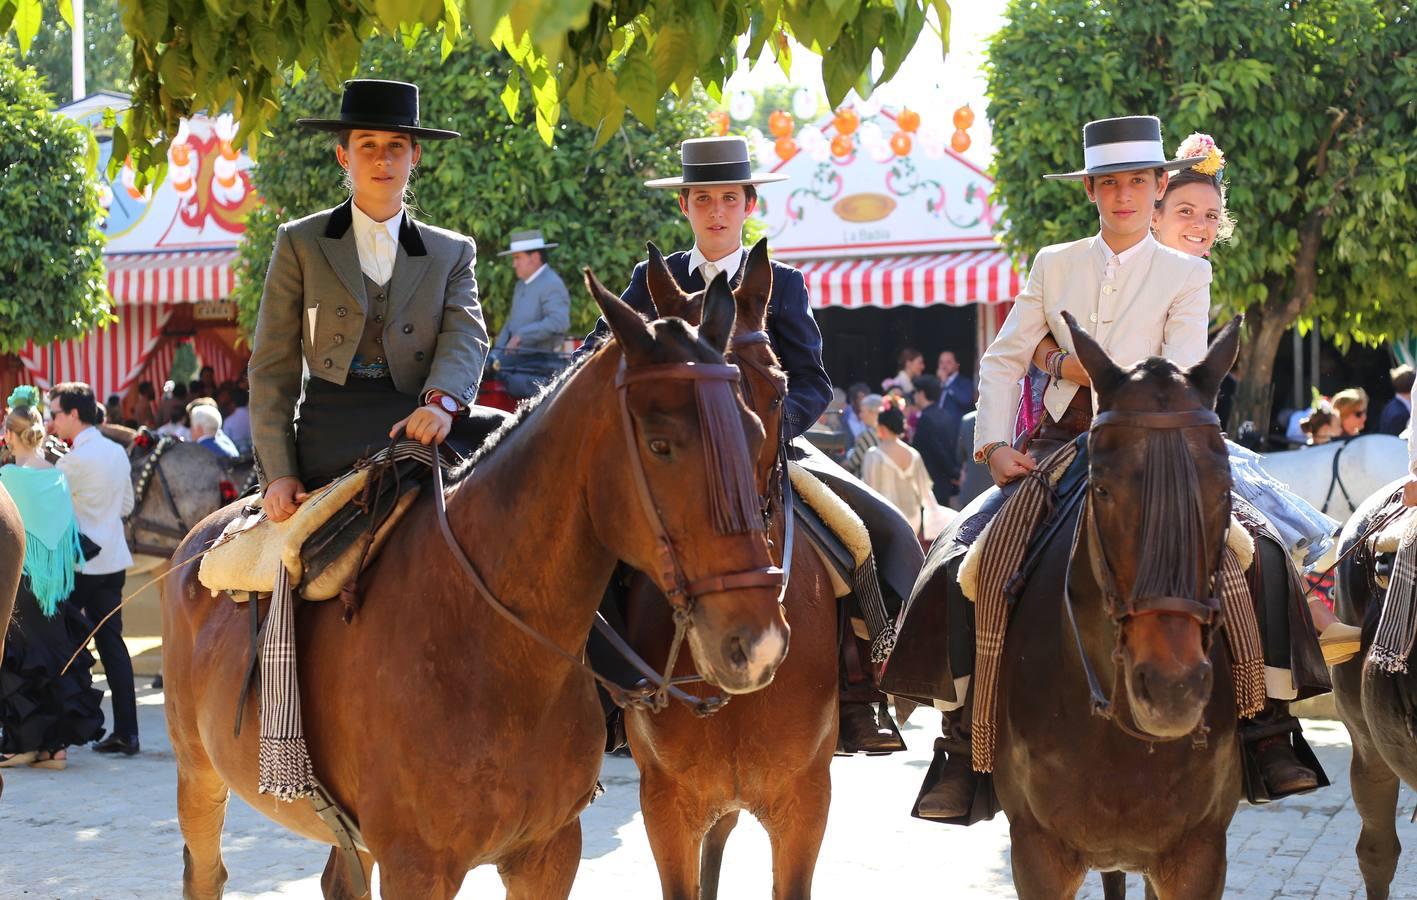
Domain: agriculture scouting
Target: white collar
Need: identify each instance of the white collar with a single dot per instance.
(363, 224)
(83, 437)
(532, 277)
(1147, 243)
(729, 263)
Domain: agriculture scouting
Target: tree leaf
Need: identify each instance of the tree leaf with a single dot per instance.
(635, 83)
(28, 15)
(511, 94)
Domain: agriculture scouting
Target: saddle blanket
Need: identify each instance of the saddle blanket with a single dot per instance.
(1396, 634)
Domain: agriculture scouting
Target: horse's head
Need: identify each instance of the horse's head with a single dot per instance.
(1159, 507)
(686, 509)
(764, 382)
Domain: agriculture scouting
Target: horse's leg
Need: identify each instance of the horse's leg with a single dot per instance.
(335, 881)
(201, 812)
(1375, 787)
(711, 859)
(1114, 885)
(796, 824)
(417, 875)
(1044, 868)
(544, 871)
(676, 823)
(1194, 869)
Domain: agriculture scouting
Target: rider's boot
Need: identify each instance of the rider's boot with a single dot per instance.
(1279, 765)
(951, 794)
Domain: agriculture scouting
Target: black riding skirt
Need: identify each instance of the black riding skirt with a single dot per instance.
(337, 424)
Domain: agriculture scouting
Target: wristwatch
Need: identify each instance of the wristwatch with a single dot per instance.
(445, 403)
(982, 454)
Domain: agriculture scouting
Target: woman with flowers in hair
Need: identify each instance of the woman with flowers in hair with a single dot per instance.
(41, 711)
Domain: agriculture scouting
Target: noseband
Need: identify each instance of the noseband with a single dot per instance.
(1205, 612)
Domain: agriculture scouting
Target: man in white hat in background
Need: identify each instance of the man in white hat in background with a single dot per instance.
(541, 306)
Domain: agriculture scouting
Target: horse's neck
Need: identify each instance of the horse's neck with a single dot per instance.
(521, 515)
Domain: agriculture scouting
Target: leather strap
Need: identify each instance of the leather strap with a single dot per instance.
(1193, 418)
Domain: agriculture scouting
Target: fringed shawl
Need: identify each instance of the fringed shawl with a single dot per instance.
(51, 532)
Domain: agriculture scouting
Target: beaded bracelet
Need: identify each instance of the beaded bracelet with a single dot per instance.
(1053, 362)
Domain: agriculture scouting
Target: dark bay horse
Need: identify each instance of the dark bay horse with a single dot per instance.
(454, 739)
(770, 752)
(1136, 791)
(12, 559)
(1380, 709)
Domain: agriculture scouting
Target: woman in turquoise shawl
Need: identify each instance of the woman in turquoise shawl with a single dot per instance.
(42, 712)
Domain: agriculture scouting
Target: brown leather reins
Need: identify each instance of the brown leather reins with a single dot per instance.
(710, 380)
(1205, 611)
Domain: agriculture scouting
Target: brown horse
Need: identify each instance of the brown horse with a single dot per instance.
(770, 752)
(1129, 791)
(454, 739)
(12, 559)
(1378, 707)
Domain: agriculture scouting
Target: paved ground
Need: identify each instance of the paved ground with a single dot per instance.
(106, 830)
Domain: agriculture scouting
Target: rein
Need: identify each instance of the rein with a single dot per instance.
(717, 382)
(1205, 612)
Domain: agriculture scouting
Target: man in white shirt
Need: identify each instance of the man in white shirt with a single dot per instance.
(100, 481)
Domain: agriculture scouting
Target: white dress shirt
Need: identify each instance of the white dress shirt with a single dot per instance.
(532, 277)
(100, 481)
(378, 244)
(708, 268)
(1147, 301)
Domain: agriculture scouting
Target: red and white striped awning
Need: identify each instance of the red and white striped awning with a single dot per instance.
(954, 279)
(189, 276)
(107, 358)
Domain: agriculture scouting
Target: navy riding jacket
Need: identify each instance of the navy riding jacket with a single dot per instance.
(791, 329)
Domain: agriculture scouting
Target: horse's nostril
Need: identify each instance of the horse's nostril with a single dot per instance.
(735, 652)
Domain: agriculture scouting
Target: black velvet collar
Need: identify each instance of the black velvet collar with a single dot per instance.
(342, 218)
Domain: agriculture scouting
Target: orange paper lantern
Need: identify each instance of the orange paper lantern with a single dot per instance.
(960, 141)
(841, 145)
(964, 117)
(900, 143)
(720, 121)
(780, 124)
(785, 147)
(908, 120)
(181, 154)
(846, 120)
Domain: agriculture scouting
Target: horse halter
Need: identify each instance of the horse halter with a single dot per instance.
(1205, 612)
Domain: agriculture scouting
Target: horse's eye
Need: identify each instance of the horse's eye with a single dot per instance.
(1100, 491)
(776, 402)
(659, 447)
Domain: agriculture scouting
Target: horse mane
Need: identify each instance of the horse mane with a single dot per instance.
(664, 328)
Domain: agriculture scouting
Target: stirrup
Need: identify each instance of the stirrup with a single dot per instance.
(1251, 732)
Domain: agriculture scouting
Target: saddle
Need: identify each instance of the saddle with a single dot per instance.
(333, 536)
(837, 533)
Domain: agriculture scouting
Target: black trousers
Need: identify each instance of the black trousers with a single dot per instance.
(96, 596)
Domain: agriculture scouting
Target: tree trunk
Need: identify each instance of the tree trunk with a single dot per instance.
(1266, 325)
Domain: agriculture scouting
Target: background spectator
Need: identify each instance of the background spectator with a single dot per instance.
(973, 479)
(870, 412)
(854, 395)
(1352, 408)
(238, 425)
(145, 407)
(896, 471)
(936, 433)
(1398, 410)
(958, 390)
(1320, 425)
(98, 474)
(912, 363)
(206, 430)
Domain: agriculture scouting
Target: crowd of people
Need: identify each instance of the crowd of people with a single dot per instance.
(223, 423)
(72, 487)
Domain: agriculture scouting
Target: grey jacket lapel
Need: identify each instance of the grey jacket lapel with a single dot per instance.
(343, 256)
(410, 265)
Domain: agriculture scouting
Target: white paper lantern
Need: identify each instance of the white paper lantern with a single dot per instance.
(741, 106)
(804, 104)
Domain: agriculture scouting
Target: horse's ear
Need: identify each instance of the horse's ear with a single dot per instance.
(1206, 375)
(1101, 370)
(629, 327)
(664, 292)
(719, 313)
(755, 290)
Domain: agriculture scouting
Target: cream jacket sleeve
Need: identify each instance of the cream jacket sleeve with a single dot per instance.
(1188, 319)
(1007, 359)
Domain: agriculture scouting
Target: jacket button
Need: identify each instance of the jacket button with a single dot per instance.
(1092, 318)
(339, 339)
(418, 357)
(378, 296)
(341, 312)
(379, 318)
(329, 363)
(408, 329)
(379, 340)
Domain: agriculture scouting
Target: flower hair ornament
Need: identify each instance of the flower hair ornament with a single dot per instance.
(1198, 144)
(24, 395)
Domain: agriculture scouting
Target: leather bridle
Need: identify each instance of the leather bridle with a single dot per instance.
(682, 593)
(1205, 611)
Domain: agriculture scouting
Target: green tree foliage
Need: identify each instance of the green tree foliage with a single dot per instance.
(108, 60)
(498, 178)
(598, 57)
(51, 258)
(1315, 106)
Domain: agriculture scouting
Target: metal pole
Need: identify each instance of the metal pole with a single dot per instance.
(77, 50)
(1301, 400)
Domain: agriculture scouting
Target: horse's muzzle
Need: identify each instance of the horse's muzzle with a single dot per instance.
(742, 658)
(1169, 704)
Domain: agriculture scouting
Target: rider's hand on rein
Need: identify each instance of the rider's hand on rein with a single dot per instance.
(427, 425)
(1007, 464)
(1409, 492)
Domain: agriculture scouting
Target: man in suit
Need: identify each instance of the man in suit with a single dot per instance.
(541, 306)
(370, 321)
(717, 192)
(1399, 409)
(936, 433)
(957, 390)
